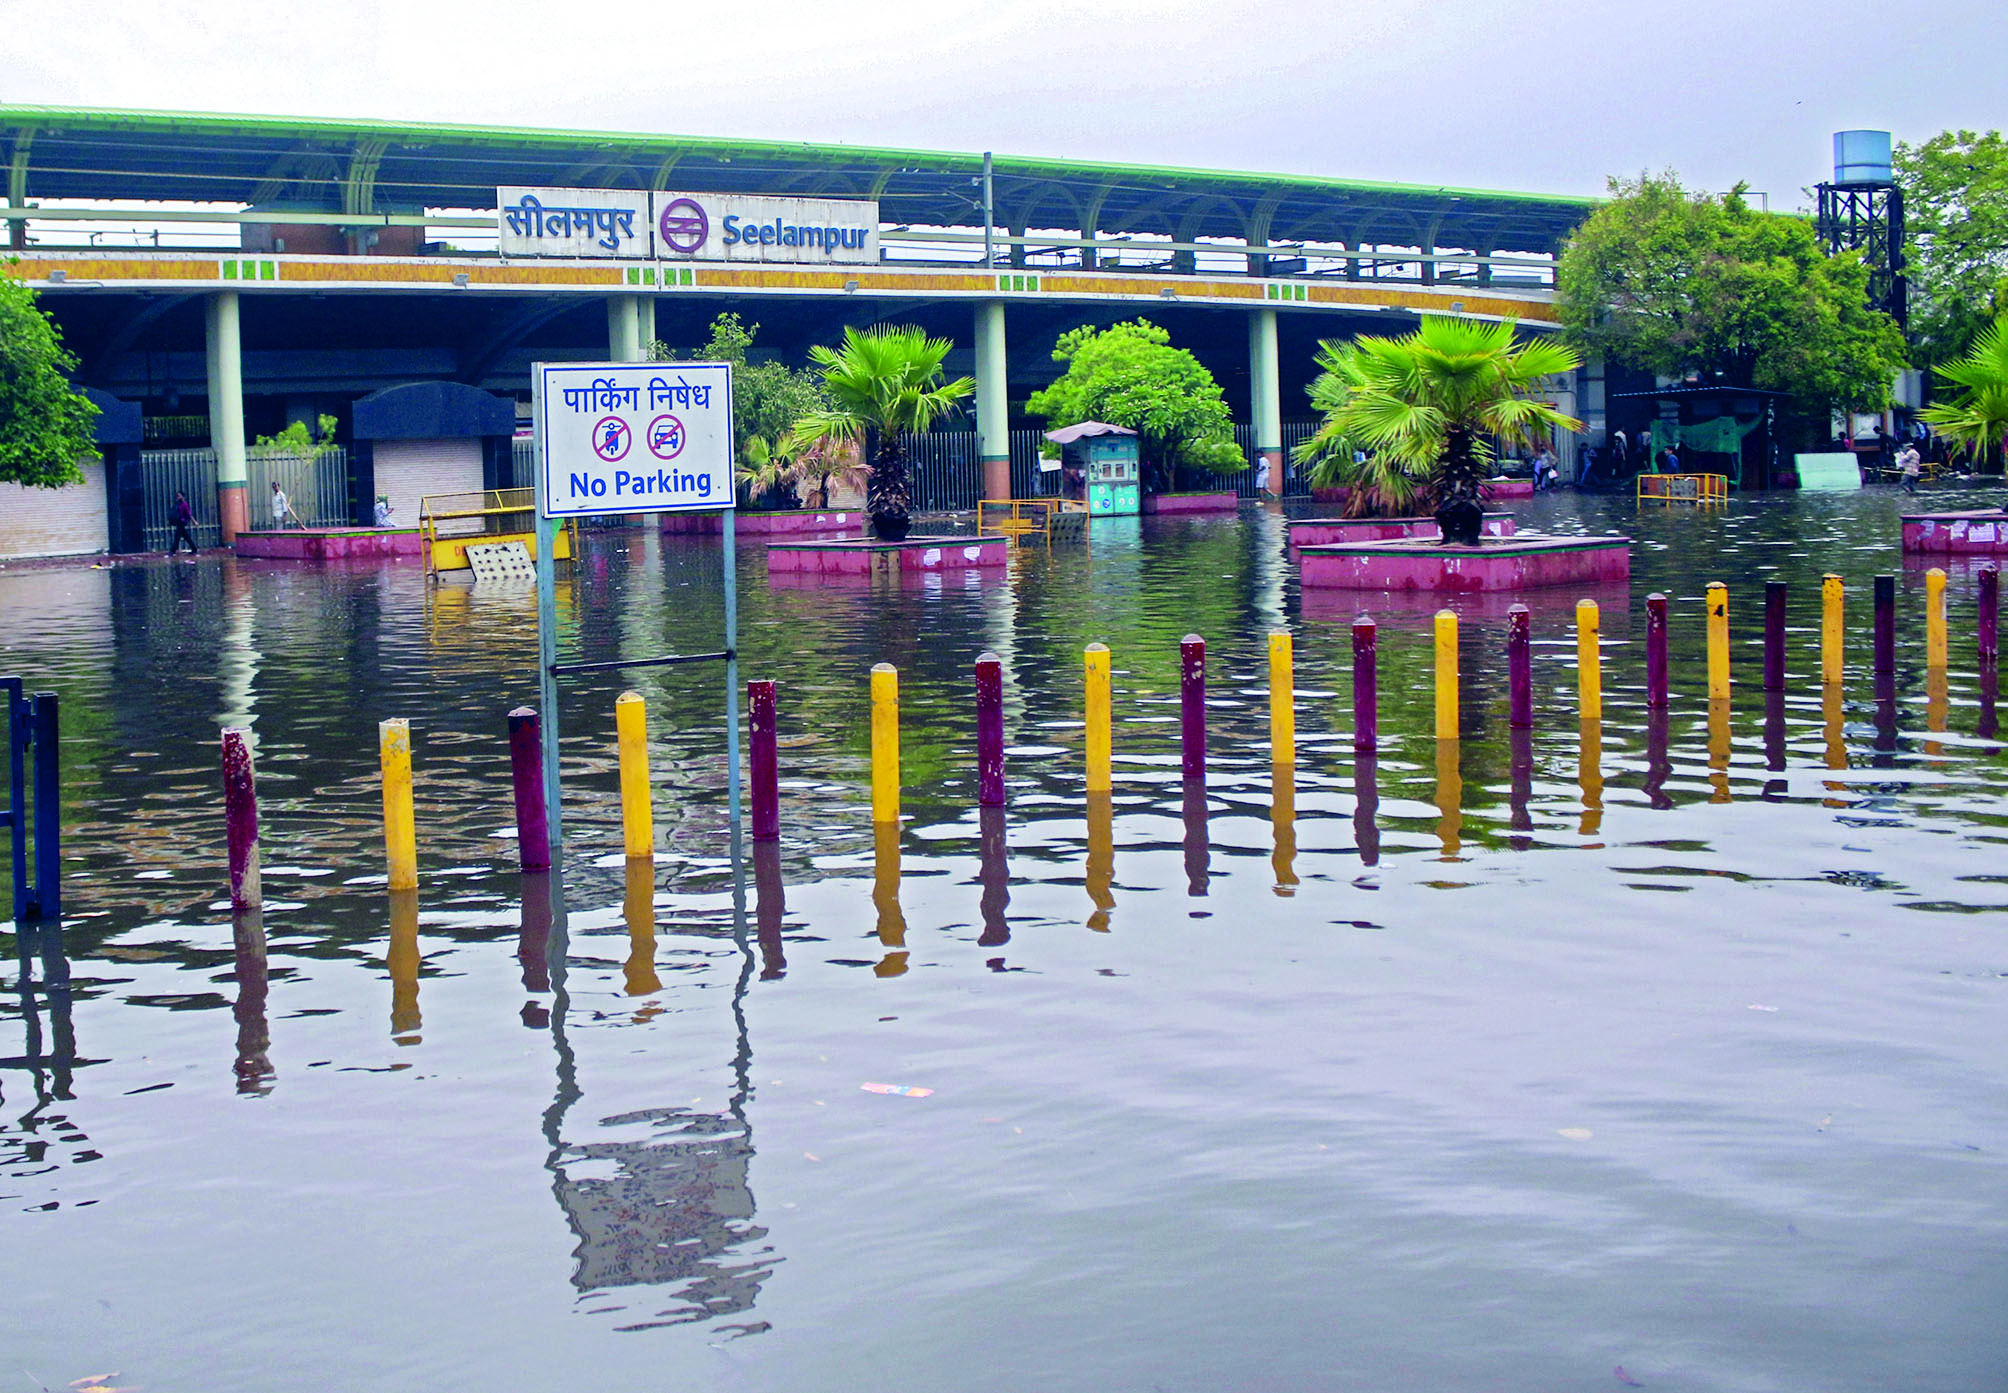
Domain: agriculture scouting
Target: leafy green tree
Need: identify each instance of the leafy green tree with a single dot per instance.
(1129, 375)
(767, 398)
(1977, 415)
(1677, 283)
(45, 424)
(1428, 405)
(1955, 204)
(296, 439)
(884, 381)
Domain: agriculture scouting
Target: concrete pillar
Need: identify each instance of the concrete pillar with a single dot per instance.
(1266, 396)
(645, 305)
(624, 329)
(225, 347)
(993, 409)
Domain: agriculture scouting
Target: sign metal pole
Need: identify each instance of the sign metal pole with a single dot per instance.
(730, 530)
(547, 631)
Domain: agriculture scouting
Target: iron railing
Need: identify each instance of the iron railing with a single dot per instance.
(316, 485)
(167, 472)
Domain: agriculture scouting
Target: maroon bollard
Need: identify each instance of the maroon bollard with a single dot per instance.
(526, 766)
(762, 748)
(1519, 669)
(1989, 618)
(1192, 704)
(240, 820)
(1774, 635)
(1366, 687)
(1655, 649)
(989, 731)
(1885, 632)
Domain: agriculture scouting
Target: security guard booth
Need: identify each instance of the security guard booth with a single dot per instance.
(1100, 467)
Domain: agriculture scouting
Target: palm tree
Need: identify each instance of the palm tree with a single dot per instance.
(1376, 485)
(1978, 418)
(882, 382)
(1430, 403)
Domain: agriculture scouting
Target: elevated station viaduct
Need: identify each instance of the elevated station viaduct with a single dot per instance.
(228, 274)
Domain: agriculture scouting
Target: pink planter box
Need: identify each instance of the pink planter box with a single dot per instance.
(792, 522)
(862, 556)
(1315, 532)
(1522, 562)
(1164, 504)
(1496, 490)
(1981, 533)
(333, 543)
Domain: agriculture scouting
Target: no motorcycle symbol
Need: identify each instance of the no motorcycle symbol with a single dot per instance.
(665, 437)
(611, 438)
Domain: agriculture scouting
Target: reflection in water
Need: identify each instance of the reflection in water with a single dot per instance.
(770, 905)
(1774, 742)
(1449, 799)
(885, 897)
(1101, 871)
(1718, 749)
(1283, 824)
(402, 960)
(533, 942)
(254, 1035)
(1590, 774)
(994, 872)
(638, 907)
(52, 1063)
(1831, 715)
(1657, 765)
(1198, 844)
(1885, 741)
(1520, 786)
(1990, 690)
(1366, 803)
(1934, 708)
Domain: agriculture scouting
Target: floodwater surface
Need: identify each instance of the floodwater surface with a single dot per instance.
(1655, 1051)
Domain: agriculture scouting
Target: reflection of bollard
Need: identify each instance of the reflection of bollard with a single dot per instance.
(1934, 618)
(1519, 669)
(1366, 687)
(1366, 805)
(1520, 786)
(1655, 651)
(764, 751)
(1096, 665)
(1774, 635)
(1282, 701)
(1833, 602)
(1987, 621)
(402, 958)
(1192, 706)
(1590, 775)
(1774, 736)
(254, 1033)
(1885, 634)
(885, 898)
(1718, 641)
(638, 908)
(1283, 827)
(400, 831)
(770, 905)
(1990, 693)
(1589, 661)
(526, 771)
(1831, 716)
(1446, 675)
(885, 743)
(994, 873)
(1198, 843)
(1449, 799)
(637, 812)
(240, 820)
(1718, 749)
(1935, 708)
(533, 937)
(1657, 765)
(1101, 869)
(989, 730)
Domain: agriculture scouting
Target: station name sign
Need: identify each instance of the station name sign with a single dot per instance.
(632, 437)
(675, 226)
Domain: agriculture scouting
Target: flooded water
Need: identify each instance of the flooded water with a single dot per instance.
(1664, 1054)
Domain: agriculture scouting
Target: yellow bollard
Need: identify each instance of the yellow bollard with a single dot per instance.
(1446, 675)
(885, 743)
(1282, 702)
(400, 830)
(1832, 599)
(1934, 618)
(1718, 641)
(1589, 660)
(637, 813)
(1097, 661)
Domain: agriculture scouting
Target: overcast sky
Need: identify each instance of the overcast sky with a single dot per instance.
(1550, 97)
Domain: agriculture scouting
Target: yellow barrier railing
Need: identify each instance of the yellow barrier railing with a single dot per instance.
(493, 515)
(1017, 518)
(1684, 488)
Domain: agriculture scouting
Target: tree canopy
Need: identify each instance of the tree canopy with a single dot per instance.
(767, 398)
(45, 424)
(1955, 203)
(1129, 375)
(1676, 283)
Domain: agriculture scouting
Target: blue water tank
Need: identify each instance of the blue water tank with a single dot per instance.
(1861, 157)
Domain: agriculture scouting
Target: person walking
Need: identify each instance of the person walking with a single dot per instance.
(281, 506)
(181, 515)
(1909, 466)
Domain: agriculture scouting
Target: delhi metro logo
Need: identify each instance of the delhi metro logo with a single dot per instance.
(683, 225)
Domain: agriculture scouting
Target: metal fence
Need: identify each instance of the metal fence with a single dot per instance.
(946, 469)
(167, 472)
(316, 485)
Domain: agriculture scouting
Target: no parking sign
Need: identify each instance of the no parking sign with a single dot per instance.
(633, 437)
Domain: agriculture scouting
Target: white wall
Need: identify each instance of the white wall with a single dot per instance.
(55, 522)
(408, 470)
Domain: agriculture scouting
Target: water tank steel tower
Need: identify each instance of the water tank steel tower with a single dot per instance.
(1862, 209)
